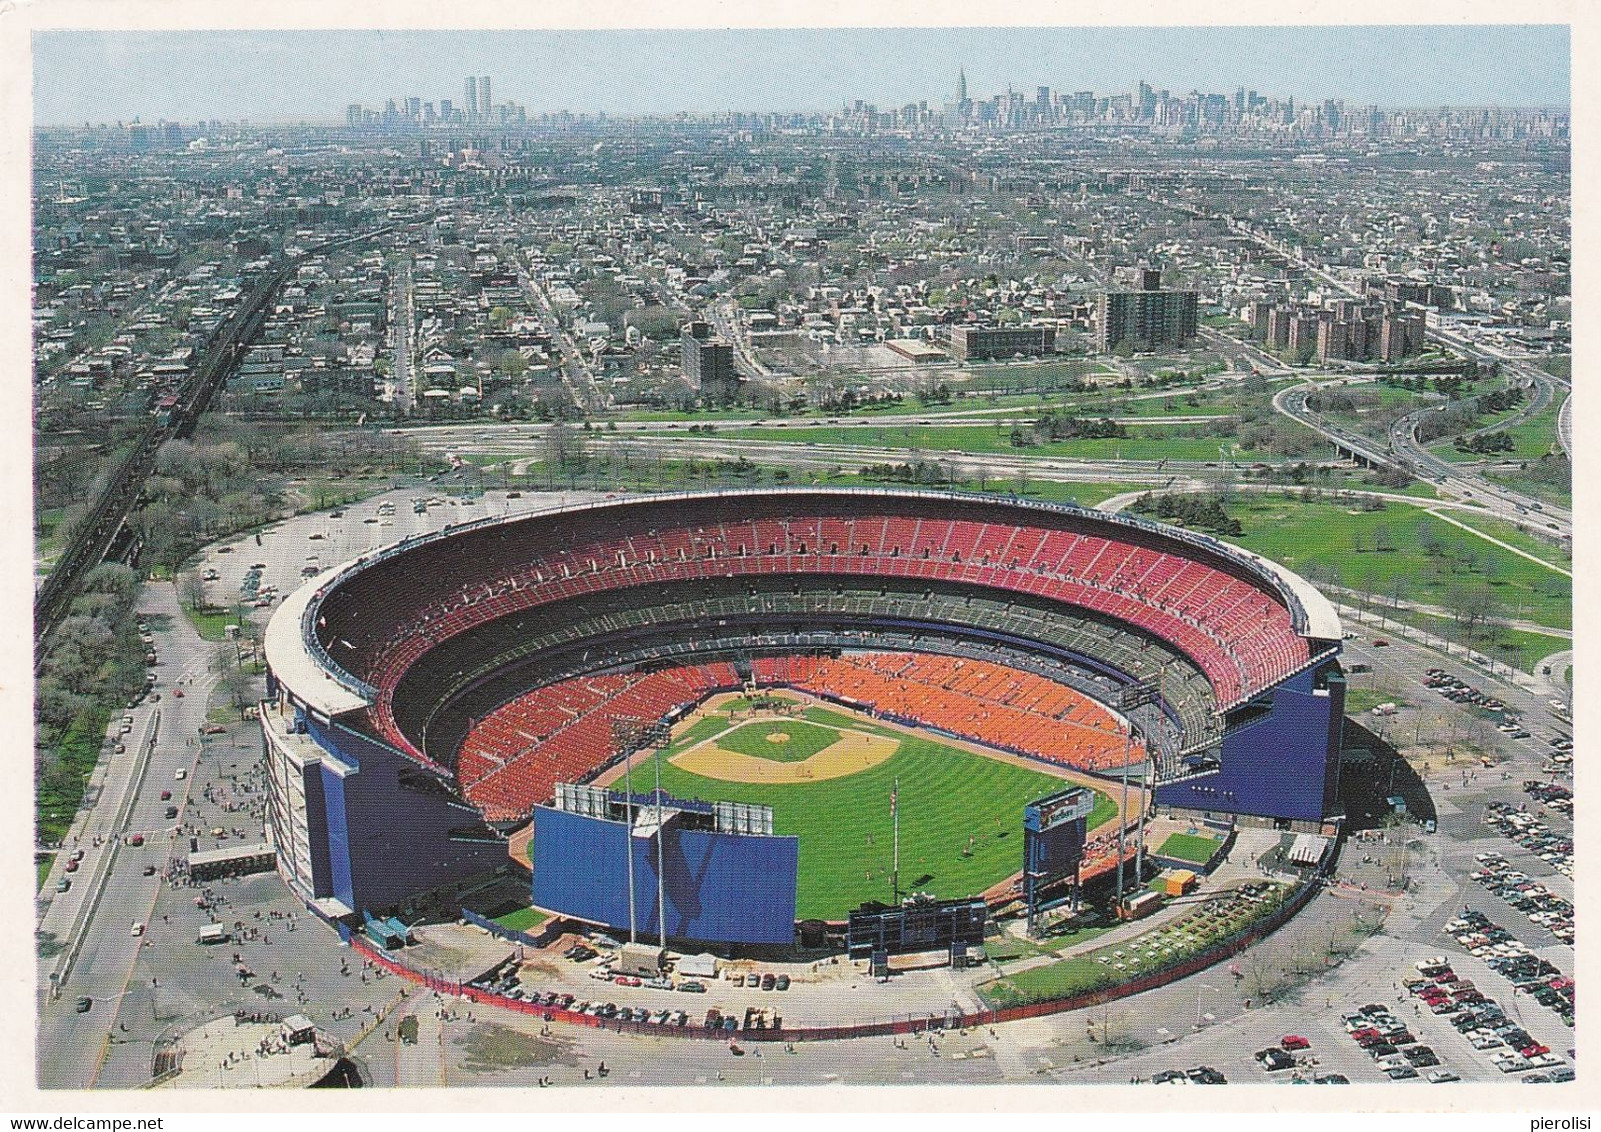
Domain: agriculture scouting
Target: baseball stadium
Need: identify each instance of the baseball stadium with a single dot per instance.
(722, 715)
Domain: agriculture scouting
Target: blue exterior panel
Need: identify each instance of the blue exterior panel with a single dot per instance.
(1284, 766)
(720, 887)
(333, 792)
(322, 881)
(387, 841)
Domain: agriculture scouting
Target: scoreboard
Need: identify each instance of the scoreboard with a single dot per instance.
(1054, 830)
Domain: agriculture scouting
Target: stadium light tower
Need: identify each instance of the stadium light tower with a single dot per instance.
(625, 734)
(658, 736)
(1140, 693)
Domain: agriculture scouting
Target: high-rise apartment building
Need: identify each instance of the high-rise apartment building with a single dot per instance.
(709, 363)
(1148, 318)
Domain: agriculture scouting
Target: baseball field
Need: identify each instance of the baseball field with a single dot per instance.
(828, 775)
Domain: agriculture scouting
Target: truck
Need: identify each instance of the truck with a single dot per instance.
(1386, 709)
(215, 934)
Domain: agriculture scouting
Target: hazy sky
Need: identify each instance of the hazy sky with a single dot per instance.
(105, 76)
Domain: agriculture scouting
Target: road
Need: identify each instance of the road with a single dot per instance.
(725, 317)
(402, 319)
(1402, 451)
(128, 804)
(1565, 425)
(585, 392)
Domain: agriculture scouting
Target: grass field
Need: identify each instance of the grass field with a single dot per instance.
(522, 919)
(1510, 534)
(1319, 538)
(42, 868)
(1189, 847)
(947, 795)
(802, 740)
(980, 439)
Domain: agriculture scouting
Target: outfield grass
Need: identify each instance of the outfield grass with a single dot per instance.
(946, 796)
(522, 919)
(755, 739)
(1189, 847)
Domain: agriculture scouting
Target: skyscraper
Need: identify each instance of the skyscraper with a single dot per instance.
(470, 99)
(961, 85)
(486, 106)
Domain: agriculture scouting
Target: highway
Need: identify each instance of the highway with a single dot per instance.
(1405, 452)
(1565, 425)
(110, 891)
(1401, 450)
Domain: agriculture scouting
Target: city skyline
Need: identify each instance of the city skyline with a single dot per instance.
(99, 77)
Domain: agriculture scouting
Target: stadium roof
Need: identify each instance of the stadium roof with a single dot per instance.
(296, 665)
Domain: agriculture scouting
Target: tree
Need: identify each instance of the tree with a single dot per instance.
(1474, 606)
(192, 590)
(232, 680)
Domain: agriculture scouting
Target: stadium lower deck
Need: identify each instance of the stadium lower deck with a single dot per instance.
(566, 731)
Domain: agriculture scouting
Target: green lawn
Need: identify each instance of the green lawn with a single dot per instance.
(802, 740)
(211, 624)
(1543, 549)
(979, 439)
(946, 796)
(1324, 540)
(1537, 435)
(1189, 847)
(1115, 963)
(522, 919)
(1360, 700)
(42, 868)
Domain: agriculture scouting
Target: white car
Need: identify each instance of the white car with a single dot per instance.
(1436, 961)
(1442, 1076)
(137, 930)
(180, 774)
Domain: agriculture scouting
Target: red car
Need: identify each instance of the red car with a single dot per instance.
(1294, 1042)
(72, 866)
(1534, 1050)
(166, 795)
(178, 692)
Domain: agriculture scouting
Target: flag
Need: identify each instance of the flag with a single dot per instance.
(894, 797)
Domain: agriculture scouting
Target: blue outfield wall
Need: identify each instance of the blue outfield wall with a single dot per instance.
(720, 887)
(1285, 766)
(386, 842)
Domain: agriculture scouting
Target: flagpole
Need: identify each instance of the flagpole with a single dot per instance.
(895, 813)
